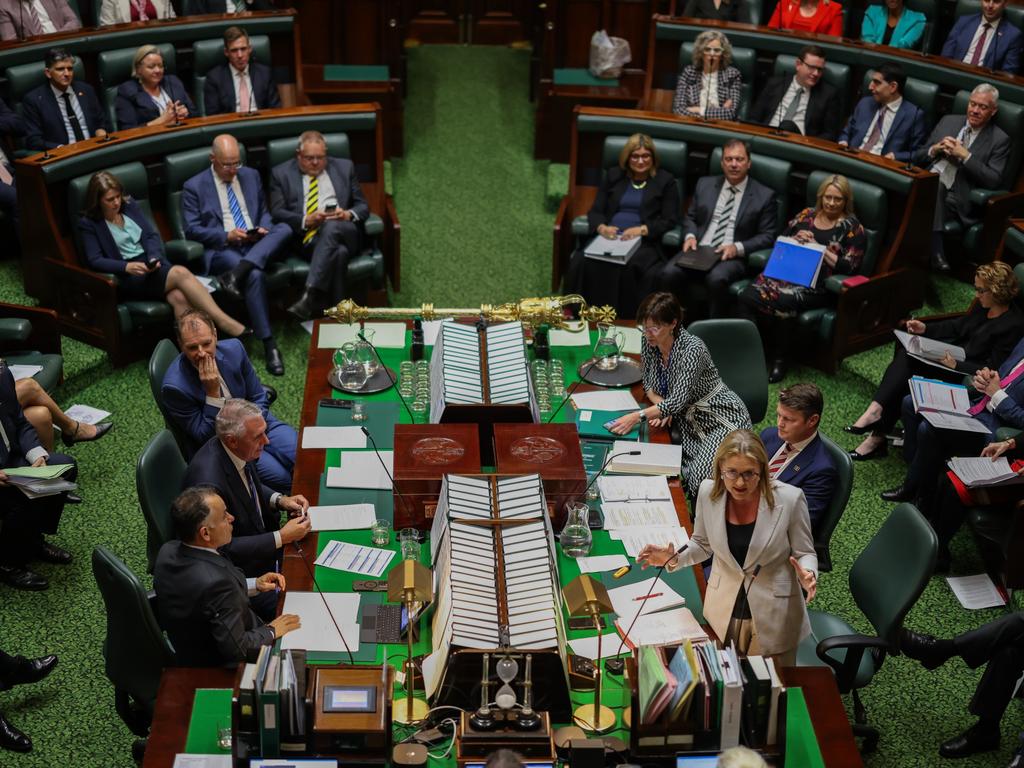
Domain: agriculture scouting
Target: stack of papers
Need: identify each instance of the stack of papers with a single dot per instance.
(605, 400)
(86, 414)
(36, 482)
(976, 592)
(635, 540)
(355, 558)
(363, 469)
(333, 437)
(633, 488)
(639, 515)
(654, 458)
(944, 405)
(322, 616)
(981, 471)
(342, 517)
(630, 598)
(665, 628)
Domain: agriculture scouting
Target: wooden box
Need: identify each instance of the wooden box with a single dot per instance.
(424, 454)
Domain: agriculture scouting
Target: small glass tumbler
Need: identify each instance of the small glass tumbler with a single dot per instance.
(380, 533)
(419, 410)
(409, 541)
(358, 411)
(224, 734)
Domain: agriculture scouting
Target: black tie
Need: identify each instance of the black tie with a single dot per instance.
(76, 127)
(250, 476)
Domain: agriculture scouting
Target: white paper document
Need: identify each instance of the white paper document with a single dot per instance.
(929, 350)
(202, 761)
(641, 515)
(654, 458)
(979, 471)
(634, 488)
(955, 421)
(20, 372)
(587, 646)
(634, 540)
(333, 335)
(665, 628)
(628, 599)
(206, 282)
(601, 563)
(975, 592)
(86, 414)
(932, 395)
(570, 337)
(355, 558)
(387, 335)
(318, 631)
(605, 400)
(362, 469)
(342, 517)
(307, 327)
(333, 437)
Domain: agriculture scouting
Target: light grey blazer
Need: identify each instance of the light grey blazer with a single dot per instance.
(776, 601)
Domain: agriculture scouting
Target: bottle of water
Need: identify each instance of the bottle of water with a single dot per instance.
(576, 537)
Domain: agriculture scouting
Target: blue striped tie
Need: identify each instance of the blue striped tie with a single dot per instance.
(236, 209)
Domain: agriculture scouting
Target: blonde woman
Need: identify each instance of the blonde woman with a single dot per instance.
(710, 87)
(759, 533)
(152, 97)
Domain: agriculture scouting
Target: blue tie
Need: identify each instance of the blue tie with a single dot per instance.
(236, 209)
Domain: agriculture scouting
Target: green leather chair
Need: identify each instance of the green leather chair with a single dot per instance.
(206, 54)
(31, 336)
(735, 347)
(920, 93)
(744, 59)
(836, 74)
(366, 268)
(840, 496)
(885, 581)
(115, 67)
(930, 9)
(164, 353)
(135, 649)
(159, 474)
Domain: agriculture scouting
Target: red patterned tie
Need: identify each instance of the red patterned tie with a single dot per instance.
(779, 461)
(976, 56)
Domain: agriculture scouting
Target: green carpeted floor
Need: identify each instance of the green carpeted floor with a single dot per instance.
(472, 202)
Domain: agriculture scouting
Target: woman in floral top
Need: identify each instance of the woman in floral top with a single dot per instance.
(775, 304)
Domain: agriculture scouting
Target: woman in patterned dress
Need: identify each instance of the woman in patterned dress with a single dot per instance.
(710, 87)
(775, 304)
(684, 389)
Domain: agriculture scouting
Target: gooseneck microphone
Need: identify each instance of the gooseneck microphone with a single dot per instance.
(394, 485)
(327, 606)
(574, 386)
(604, 466)
(390, 378)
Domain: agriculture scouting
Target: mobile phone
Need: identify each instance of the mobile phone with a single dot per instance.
(252, 232)
(331, 208)
(328, 402)
(152, 261)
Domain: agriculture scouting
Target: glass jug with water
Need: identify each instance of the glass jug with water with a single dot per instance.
(608, 347)
(576, 536)
(348, 368)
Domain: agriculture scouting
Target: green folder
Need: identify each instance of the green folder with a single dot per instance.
(45, 472)
(591, 424)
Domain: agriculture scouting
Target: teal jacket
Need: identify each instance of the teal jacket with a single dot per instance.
(908, 30)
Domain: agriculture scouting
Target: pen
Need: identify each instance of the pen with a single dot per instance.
(649, 597)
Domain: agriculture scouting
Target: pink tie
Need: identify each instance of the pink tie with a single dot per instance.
(244, 105)
(5, 175)
(1003, 384)
(976, 56)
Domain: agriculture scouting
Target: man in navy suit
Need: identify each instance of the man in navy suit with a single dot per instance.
(24, 520)
(228, 463)
(735, 215)
(10, 125)
(885, 123)
(239, 84)
(986, 39)
(64, 110)
(797, 454)
(204, 376)
(224, 210)
(319, 198)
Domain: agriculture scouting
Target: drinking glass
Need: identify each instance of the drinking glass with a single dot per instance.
(380, 533)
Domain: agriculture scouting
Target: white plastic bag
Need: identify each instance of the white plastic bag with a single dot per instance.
(608, 55)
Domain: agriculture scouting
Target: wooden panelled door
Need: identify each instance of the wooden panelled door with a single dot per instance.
(480, 22)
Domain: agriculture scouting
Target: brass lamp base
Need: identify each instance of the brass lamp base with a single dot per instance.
(584, 718)
(400, 709)
(627, 717)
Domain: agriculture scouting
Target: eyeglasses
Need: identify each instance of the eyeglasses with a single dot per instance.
(833, 199)
(230, 166)
(313, 158)
(812, 67)
(980, 290)
(732, 475)
(640, 156)
(651, 328)
(714, 51)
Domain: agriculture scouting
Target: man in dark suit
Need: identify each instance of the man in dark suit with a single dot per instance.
(320, 199)
(885, 123)
(735, 215)
(10, 125)
(25, 520)
(239, 84)
(986, 39)
(224, 209)
(64, 110)
(228, 463)
(796, 452)
(202, 599)
(1000, 645)
(204, 376)
(17, 670)
(803, 102)
(968, 152)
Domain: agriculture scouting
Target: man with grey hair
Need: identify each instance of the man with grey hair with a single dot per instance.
(228, 463)
(968, 152)
(319, 198)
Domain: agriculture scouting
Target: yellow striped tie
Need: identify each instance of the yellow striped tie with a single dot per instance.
(312, 203)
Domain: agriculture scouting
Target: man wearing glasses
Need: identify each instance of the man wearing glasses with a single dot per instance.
(319, 198)
(801, 103)
(224, 210)
(239, 84)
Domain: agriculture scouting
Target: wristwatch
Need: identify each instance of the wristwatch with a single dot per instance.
(642, 415)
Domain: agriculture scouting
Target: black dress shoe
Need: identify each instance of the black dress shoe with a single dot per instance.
(880, 451)
(32, 670)
(902, 493)
(247, 333)
(72, 438)
(72, 498)
(855, 430)
(22, 578)
(51, 553)
(13, 739)
(307, 307)
(230, 285)
(970, 742)
(778, 372)
(929, 650)
(275, 363)
(939, 263)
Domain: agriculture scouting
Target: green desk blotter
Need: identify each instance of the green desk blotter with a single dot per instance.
(582, 77)
(210, 707)
(368, 73)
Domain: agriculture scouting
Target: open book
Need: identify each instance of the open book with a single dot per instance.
(929, 350)
(944, 405)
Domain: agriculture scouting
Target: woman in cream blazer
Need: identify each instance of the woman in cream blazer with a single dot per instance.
(742, 510)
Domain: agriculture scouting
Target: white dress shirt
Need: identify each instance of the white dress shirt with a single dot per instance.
(886, 116)
(325, 190)
(708, 91)
(222, 194)
(797, 447)
(253, 492)
(800, 116)
(716, 217)
(44, 18)
(76, 108)
(948, 169)
(993, 27)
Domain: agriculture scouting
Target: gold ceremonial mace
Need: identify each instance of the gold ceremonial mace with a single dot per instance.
(533, 312)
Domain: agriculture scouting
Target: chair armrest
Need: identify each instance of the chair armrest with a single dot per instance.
(673, 239)
(981, 196)
(374, 225)
(758, 260)
(15, 329)
(186, 252)
(580, 226)
(834, 283)
(44, 328)
(855, 645)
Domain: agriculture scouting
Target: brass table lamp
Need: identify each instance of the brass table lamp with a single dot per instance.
(409, 583)
(586, 596)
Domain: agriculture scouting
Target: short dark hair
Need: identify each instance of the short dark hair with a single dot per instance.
(233, 33)
(662, 307)
(57, 54)
(803, 397)
(189, 510)
(893, 73)
(736, 143)
(193, 314)
(811, 50)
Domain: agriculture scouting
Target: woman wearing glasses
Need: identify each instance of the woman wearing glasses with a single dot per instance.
(684, 389)
(759, 533)
(709, 87)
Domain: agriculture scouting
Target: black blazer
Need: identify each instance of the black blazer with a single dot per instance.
(822, 116)
(659, 209)
(219, 90)
(11, 123)
(252, 547)
(20, 433)
(286, 201)
(756, 220)
(203, 605)
(44, 121)
(134, 107)
(986, 343)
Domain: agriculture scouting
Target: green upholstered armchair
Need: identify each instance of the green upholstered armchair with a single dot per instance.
(840, 496)
(836, 74)
(22, 78)
(206, 54)
(735, 347)
(115, 67)
(31, 336)
(159, 474)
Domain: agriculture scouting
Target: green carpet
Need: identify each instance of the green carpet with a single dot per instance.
(476, 227)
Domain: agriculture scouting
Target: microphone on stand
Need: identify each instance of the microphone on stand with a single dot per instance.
(574, 386)
(597, 474)
(408, 509)
(390, 378)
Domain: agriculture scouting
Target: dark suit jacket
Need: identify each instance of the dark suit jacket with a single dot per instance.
(11, 123)
(134, 107)
(822, 115)
(1003, 53)
(44, 121)
(185, 399)
(101, 252)
(983, 169)
(20, 433)
(1010, 412)
(252, 546)
(203, 605)
(286, 200)
(659, 209)
(906, 133)
(812, 471)
(756, 222)
(219, 90)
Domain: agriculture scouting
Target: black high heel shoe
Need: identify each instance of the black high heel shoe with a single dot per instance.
(855, 430)
(880, 451)
(101, 430)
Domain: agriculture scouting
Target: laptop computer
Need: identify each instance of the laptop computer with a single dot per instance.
(702, 259)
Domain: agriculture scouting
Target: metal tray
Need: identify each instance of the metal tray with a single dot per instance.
(626, 374)
(379, 382)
